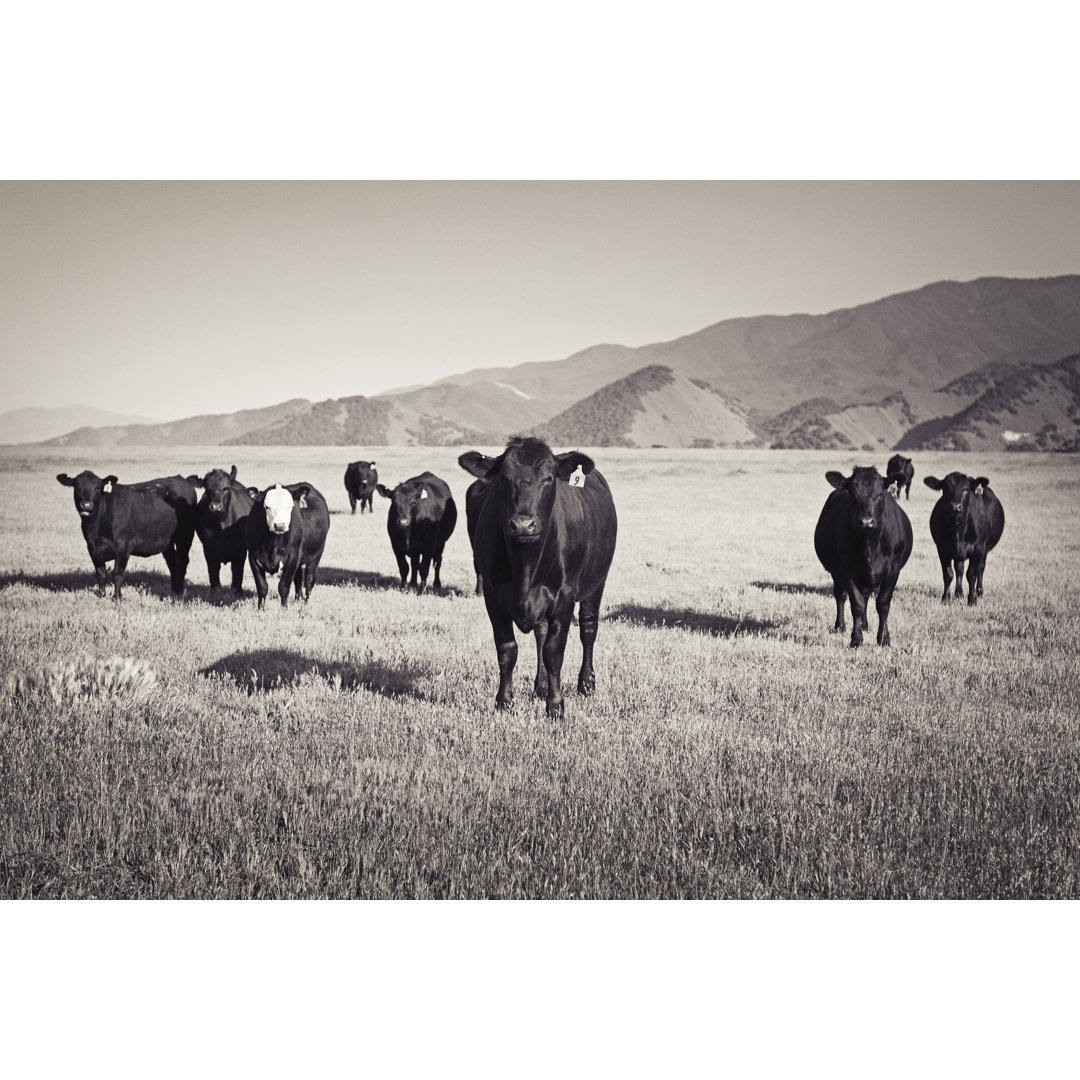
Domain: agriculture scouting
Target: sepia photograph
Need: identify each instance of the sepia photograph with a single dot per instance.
(510, 540)
(603, 455)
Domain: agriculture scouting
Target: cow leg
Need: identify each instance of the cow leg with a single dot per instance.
(311, 571)
(884, 603)
(858, 614)
(958, 566)
(840, 595)
(425, 566)
(119, 573)
(415, 562)
(352, 502)
(982, 567)
(371, 508)
(298, 582)
(180, 567)
(213, 571)
(588, 621)
(973, 578)
(947, 575)
(238, 574)
(541, 683)
(289, 571)
(506, 651)
(437, 561)
(554, 648)
(259, 576)
(101, 576)
(479, 581)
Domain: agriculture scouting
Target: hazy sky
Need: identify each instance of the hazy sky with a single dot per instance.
(170, 299)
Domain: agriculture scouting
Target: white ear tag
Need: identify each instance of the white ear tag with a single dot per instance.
(978, 489)
(577, 478)
(303, 502)
(894, 491)
(423, 493)
(107, 489)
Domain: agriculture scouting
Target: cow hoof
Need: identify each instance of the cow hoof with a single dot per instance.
(540, 690)
(855, 644)
(555, 710)
(504, 706)
(587, 687)
(839, 628)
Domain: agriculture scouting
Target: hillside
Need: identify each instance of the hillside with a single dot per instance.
(209, 430)
(650, 407)
(36, 424)
(900, 371)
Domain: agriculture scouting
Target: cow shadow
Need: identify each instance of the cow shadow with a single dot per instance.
(365, 579)
(259, 671)
(84, 581)
(695, 622)
(793, 588)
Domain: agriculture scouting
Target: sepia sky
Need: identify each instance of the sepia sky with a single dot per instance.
(169, 299)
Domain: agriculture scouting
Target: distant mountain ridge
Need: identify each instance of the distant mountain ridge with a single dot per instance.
(876, 376)
(37, 423)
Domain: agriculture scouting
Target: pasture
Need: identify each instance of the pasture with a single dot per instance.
(735, 748)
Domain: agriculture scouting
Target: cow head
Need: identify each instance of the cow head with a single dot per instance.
(407, 499)
(527, 473)
(89, 490)
(218, 487)
(867, 490)
(957, 490)
(278, 504)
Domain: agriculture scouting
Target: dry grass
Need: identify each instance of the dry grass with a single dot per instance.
(735, 747)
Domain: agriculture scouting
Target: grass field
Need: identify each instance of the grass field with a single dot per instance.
(735, 747)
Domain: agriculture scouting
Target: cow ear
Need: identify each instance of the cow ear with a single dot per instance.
(300, 496)
(232, 474)
(371, 464)
(932, 482)
(897, 480)
(477, 464)
(980, 483)
(384, 491)
(65, 479)
(838, 480)
(570, 462)
(255, 493)
(110, 479)
(194, 481)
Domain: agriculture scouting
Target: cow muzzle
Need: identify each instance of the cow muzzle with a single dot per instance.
(867, 522)
(216, 508)
(279, 529)
(524, 528)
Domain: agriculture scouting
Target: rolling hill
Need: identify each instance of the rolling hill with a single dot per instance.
(901, 371)
(36, 424)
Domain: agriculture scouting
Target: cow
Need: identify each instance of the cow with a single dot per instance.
(420, 520)
(286, 531)
(966, 522)
(863, 539)
(900, 464)
(154, 517)
(222, 524)
(543, 540)
(361, 477)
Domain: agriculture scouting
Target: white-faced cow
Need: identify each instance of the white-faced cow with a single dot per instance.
(863, 539)
(900, 464)
(222, 524)
(361, 478)
(155, 517)
(543, 540)
(286, 532)
(420, 520)
(966, 522)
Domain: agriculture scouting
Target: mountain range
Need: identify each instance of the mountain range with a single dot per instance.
(986, 364)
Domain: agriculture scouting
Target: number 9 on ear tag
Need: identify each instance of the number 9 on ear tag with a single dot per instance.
(577, 478)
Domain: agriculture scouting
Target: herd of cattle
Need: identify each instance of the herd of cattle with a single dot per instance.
(542, 528)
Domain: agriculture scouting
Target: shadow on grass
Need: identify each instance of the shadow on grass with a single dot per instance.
(372, 579)
(793, 587)
(263, 670)
(698, 622)
(84, 580)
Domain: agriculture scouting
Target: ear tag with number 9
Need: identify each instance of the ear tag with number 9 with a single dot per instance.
(577, 478)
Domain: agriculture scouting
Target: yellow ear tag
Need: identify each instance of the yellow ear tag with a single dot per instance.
(577, 478)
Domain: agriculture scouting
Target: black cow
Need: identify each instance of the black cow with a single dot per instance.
(900, 464)
(286, 531)
(543, 540)
(361, 477)
(155, 517)
(222, 524)
(421, 519)
(863, 538)
(966, 522)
